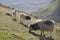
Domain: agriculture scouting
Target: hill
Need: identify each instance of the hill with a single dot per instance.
(51, 11)
(13, 30)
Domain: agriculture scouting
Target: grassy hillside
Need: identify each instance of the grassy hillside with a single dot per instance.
(13, 30)
(56, 13)
(51, 11)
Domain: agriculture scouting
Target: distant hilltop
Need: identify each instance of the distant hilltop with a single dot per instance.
(4, 6)
(51, 11)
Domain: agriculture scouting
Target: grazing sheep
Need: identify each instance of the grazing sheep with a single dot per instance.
(23, 17)
(14, 14)
(42, 25)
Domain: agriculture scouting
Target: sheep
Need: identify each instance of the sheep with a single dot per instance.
(42, 25)
(14, 14)
(23, 17)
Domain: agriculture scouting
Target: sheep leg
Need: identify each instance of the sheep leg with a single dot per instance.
(30, 29)
(14, 17)
(50, 34)
(41, 33)
(44, 35)
(21, 20)
(28, 22)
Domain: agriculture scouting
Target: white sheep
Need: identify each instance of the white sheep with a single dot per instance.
(23, 17)
(14, 14)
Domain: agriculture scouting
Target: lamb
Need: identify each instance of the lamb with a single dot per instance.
(14, 14)
(23, 17)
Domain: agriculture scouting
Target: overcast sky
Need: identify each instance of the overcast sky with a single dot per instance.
(26, 5)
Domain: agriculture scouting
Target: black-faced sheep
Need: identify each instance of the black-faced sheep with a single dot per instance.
(42, 25)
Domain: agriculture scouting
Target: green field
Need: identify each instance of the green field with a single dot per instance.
(13, 30)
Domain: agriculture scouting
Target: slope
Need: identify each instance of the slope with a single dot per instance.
(13, 30)
(51, 11)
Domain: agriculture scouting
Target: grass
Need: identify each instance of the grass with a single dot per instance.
(13, 30)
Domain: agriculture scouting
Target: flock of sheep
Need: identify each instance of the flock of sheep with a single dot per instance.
(39, 24)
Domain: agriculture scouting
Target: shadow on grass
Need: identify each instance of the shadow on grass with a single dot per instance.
(8, 14)
(24, 25)
(14, 20)
(45, 38)
(17, 37)
(41, 37)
